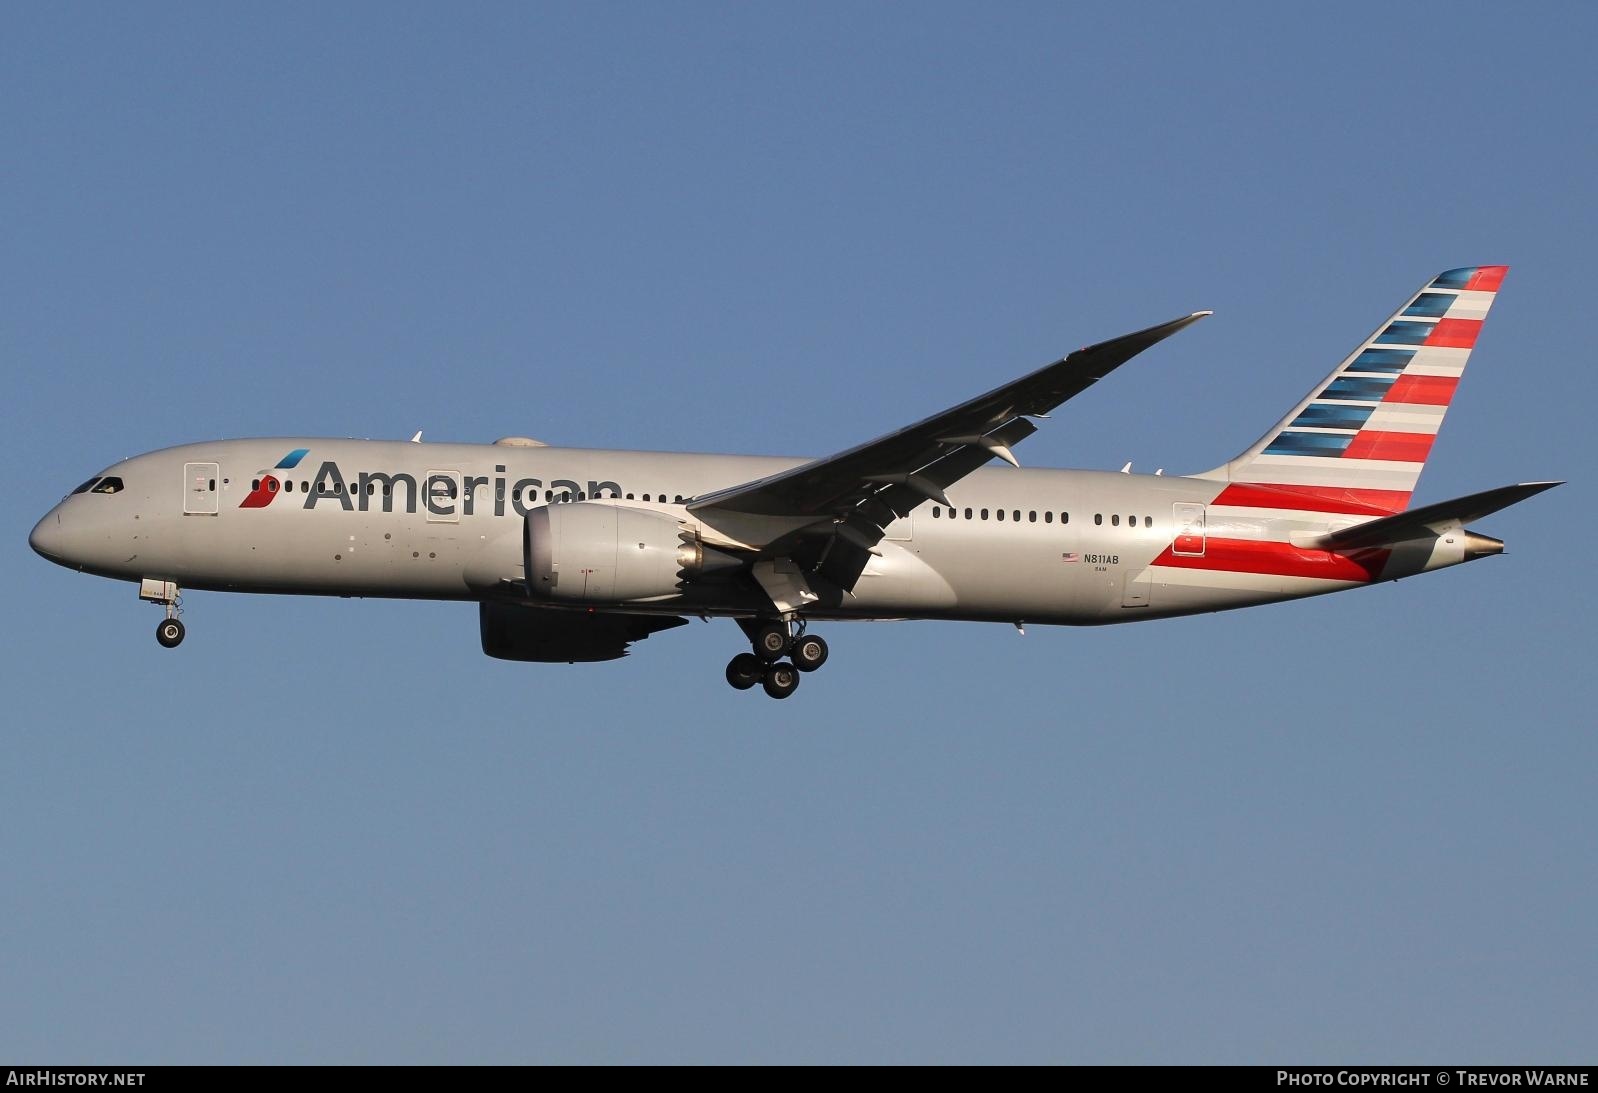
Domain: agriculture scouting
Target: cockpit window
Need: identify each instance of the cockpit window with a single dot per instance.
(85, 487)
(108, 485)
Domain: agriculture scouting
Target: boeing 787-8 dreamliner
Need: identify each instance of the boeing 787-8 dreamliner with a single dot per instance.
(572, 554)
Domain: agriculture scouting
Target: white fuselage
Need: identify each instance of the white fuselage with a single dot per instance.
(445, 521)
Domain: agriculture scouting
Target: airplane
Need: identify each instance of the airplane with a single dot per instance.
(575, 554)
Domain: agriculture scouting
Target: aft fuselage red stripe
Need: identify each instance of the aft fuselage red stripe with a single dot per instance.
(1339, 499)
(1279, 560)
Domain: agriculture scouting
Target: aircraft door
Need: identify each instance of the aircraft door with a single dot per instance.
(441, 497)
(1189, 541)
(200, 497)
(1135, 587)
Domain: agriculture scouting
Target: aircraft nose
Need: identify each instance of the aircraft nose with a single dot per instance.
(47, 539)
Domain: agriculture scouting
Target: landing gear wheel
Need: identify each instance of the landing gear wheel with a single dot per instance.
(169, 633)
(771, 640)
(782, 680)
(745, 670)
(809, 653)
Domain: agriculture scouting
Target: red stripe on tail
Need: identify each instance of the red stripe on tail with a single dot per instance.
(1422, 390)
(1402, 447)
(1486, 279)
(1454, 333)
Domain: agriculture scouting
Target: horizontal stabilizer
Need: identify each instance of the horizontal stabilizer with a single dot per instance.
(1431, 520)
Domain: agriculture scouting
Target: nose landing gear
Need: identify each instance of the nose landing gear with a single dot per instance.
(170, 631)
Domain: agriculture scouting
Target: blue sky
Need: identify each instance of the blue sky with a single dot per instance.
(1353, 829)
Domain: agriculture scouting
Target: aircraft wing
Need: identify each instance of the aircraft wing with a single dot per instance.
(867, 487)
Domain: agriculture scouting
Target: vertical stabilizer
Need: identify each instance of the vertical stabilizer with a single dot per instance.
(1358, 442)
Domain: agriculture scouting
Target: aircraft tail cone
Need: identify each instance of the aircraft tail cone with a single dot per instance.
(1481, 546)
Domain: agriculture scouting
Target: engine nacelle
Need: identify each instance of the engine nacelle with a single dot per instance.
(600, 552)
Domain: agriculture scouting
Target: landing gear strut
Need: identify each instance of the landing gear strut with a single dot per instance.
(771, 640)
(170, 631)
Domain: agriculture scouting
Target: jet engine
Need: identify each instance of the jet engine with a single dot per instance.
(599, 552)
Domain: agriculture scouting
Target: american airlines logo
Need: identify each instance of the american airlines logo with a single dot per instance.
(442, 494)
(264, 490)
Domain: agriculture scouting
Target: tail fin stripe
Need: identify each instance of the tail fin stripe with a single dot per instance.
(1405, 332)
(1359, 388)
(1473, 278)
(1381, 360)
(1424, 390)
(1455, 333)
(1406, 417)
(1332, 415)
(1431, 305)
(1322, 444)
(1395, 447)
(1487, 278)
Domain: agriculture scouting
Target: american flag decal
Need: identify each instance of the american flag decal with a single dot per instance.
(1070, 557)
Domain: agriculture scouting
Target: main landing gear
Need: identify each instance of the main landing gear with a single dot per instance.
(772, 640)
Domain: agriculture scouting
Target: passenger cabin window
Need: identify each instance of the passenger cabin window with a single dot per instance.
(999, 515)
(1148, 521)
(1115, 520)
(968, 514)
(1098, 518)
(984, 514)
(108, 485)
(1065, 517)
(1048, 517)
